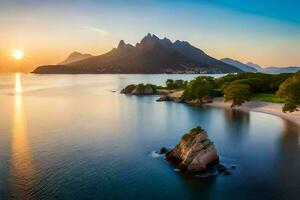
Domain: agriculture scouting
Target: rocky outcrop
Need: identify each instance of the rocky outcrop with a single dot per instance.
(166, 94)
(198, 102)
(164, 98)
(175, 96)
(139, 89)
(194, 153)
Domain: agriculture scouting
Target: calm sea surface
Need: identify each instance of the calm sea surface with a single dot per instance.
(71, 137)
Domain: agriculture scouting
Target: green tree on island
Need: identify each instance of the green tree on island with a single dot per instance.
(199, 88)
(177, 84)
(237, 92)
(289, 91)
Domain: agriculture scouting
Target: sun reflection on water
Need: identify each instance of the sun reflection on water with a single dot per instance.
(21, 166)
(18, 84)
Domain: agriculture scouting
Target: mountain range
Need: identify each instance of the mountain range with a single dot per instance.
(278, 70)
(252, 67)
(151, 55)
(238, 64)
(255, 66)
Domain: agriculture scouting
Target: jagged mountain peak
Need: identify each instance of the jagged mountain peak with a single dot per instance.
(150, 39)
(123, 45)
(181, 42)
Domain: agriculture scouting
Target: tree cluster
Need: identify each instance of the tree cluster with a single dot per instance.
(238, 88)
(176, 84)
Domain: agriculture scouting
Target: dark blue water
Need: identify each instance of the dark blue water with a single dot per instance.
(71, 137)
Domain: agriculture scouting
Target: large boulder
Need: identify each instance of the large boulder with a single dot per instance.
(173, 95)
(194, 153)
(128, 89)
(139, 89)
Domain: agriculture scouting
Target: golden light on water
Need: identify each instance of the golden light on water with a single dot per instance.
(21, 166)
(17, 54)
(18, 84)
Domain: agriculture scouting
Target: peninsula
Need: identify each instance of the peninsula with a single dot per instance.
(273, 94)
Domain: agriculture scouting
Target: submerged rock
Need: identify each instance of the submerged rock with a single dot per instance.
(194, 153)
(163, 150)
(164, 98)
(221, 168)
(233, 167)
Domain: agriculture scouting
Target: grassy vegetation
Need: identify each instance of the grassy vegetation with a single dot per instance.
(239, 88)
(192, 134)
(267, 97)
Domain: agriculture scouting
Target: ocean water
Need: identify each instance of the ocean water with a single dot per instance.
(72, 137)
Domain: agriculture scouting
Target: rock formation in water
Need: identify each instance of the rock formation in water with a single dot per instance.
(176, 96)
(163, 150)
(139, 89)
(194, 153)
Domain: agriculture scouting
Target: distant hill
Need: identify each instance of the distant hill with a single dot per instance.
(278, 70)
(150, 55)
(73, 57)
(238, 64)
(255, 66)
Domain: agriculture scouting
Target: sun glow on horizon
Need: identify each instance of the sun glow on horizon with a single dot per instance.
(17, 54)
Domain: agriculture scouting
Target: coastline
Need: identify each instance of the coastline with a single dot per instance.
(259, 106)
(253, 106)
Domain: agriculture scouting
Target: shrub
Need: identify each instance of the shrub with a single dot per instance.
(192, 134)
(259, 82)
(177, 84)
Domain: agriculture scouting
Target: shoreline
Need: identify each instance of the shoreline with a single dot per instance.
(253, 106)
(259, 106)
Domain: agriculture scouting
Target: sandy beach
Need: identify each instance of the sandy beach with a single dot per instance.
(257, 106)
(254, 106)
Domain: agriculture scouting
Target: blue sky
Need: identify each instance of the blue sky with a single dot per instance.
(265, 32)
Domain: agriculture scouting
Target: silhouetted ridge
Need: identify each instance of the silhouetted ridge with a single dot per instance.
(150, 55)
(73, 57)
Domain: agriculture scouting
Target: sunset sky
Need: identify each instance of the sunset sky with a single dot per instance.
(265, 32)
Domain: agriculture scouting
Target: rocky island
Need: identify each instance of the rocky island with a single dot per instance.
(194, 153)
(140, 89)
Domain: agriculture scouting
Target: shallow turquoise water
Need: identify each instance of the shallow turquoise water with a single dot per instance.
(71, 137)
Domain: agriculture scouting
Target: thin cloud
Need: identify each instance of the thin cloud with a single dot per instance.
(98, 30)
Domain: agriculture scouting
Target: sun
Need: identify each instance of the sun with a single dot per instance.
(17, 54)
